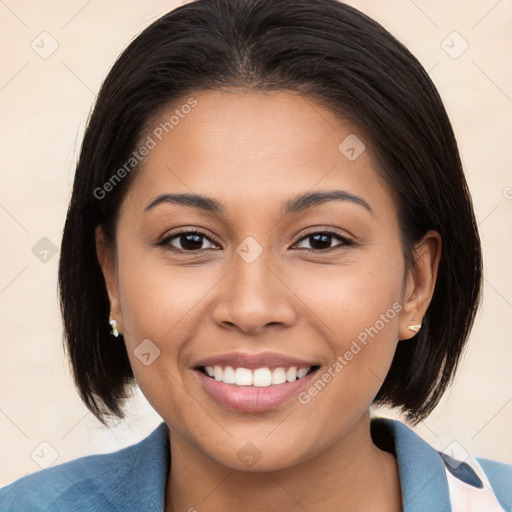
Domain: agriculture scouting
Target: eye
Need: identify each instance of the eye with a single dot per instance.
(321, 240)
(188, 241)
(192, 241)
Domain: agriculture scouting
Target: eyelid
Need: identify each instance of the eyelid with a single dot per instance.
(185, 231)
(332, 231)
(346, 240)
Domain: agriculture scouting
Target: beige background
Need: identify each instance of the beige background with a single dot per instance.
(44, 106)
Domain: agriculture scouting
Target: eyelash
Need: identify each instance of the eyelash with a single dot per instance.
(346, 241)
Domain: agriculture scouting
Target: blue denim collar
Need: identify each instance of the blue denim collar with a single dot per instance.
(422, 475)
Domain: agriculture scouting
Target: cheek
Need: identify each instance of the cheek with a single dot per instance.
(157, 298)
(164, 304)
(351, 297)
(357, 308)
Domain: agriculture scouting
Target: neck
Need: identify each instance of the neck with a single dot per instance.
(351, 474)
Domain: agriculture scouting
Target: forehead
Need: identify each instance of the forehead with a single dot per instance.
(240, 146)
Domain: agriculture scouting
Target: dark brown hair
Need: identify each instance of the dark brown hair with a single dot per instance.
(328, 51)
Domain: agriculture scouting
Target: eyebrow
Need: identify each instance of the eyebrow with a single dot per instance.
(297, 204)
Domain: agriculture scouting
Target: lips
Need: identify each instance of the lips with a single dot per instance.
(260, 394)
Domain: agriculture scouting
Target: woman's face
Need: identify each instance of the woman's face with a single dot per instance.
(260, 279)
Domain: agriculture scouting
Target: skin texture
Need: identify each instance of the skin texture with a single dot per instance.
(252, 152)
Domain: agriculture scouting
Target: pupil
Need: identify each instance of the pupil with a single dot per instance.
(324, 238)
(194, 245)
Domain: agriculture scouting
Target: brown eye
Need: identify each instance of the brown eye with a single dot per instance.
(185, 241)
(320, 241)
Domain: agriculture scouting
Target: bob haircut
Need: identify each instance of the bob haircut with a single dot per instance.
(329, 52)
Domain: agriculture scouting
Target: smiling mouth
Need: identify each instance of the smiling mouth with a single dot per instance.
(258, 377)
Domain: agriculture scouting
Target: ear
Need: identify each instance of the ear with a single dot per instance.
(107, 260)
(420, 282)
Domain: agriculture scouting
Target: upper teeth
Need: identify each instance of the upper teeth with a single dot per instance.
(260, 377)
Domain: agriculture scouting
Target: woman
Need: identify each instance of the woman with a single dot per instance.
(270, 231)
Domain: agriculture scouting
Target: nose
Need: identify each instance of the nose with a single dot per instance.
(254, 295)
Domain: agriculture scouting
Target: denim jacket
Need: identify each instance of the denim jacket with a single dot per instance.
(134, 479)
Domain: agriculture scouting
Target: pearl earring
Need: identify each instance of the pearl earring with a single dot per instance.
(113, 323)
(414, 327)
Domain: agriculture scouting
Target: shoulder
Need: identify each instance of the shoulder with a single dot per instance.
(74, 482)
(439, 481)
(101, 482)
(478, 484)
(499, 476)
